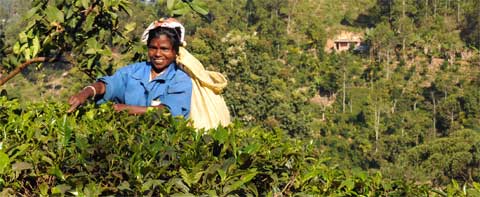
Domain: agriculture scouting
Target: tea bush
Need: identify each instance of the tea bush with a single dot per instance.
(96, 151)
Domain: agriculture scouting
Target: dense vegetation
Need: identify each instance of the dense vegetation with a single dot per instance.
(46, 152)
(404, 114)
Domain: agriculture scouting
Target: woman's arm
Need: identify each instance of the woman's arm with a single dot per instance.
(94, 90)
(134, 110)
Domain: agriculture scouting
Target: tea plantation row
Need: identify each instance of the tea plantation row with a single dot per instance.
(96, 151)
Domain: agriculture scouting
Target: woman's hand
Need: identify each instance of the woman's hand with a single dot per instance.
(131, 109)
(78, 99)
(98, 88)
(120, 107)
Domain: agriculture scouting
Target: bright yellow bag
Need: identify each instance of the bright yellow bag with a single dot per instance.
(208, 108)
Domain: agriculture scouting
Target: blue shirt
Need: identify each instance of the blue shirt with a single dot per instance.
(130, 85)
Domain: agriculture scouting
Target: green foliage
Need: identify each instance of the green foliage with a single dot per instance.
(442, 160)
(80, 32)
(470, 30)
(44, 151)
(87, 34)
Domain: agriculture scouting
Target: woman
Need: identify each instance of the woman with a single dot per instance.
(158, 83)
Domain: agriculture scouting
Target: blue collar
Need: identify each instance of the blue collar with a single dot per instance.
(144, 74)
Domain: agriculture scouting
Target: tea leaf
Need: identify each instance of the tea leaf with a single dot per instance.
(4, 162)
(61, 189)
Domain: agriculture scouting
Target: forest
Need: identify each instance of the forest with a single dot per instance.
(396, 115)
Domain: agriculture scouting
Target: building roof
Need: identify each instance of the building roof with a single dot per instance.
(347, 37)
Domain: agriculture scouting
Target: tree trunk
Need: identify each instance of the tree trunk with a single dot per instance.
(344, 90)
(388, 64)
(458, 11)
(291, 12)
(394, 105)
(403, 49)
(452, 116)
(426, 8)
(377, 127)
(351, 105)
(446, 8)
(434, 131)
(323, 112)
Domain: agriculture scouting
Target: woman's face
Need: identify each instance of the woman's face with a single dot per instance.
(161, 53)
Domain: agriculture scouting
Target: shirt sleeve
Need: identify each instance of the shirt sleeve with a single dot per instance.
(114, 86)
(178, 97)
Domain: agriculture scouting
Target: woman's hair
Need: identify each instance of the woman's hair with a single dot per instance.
(172, 35)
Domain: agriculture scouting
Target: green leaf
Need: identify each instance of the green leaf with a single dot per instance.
(360, 174)
(309, 176)
(57, 172)
(348, 184)
(67, 131)
(185, 177)
(237, 184)
(129, 27)
(151, 183)
(251, 148)
(81, 143)
(20, 150)
(93, 45)
(197, 177)
(30, 13)
(16, 48)
(183, 195)
(476, 185)
(170, 4)
(43, 189)
(87, 26)
(179, 184)
(85, 3)
(105, 52)
(61, 189)
(22, 36)
(90, 115)
(197, 8)
(181, 10)
(54, 14)
(221, 135)
(47, 159)
(211, 193)
(124, 186)
(27, 53)
(4, 162)
(222, 174)
(35, 46)
(125, 7)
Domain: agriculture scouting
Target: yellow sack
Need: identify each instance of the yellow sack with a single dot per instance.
(208, 109)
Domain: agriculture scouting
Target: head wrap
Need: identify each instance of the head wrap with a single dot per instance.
(168, 23)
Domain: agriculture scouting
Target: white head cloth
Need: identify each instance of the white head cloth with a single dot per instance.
(168, 23)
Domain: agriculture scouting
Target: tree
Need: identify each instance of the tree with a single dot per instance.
(382, 42)
(55, 33)
(471, 27)
(89, 40)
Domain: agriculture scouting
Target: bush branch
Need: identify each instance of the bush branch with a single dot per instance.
(23, 66)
